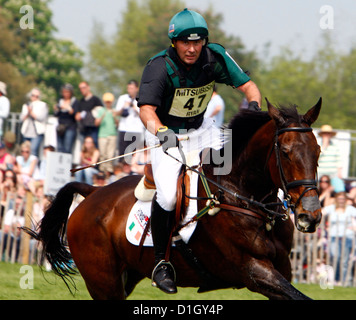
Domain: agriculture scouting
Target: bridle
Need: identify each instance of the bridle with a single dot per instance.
(308, 184)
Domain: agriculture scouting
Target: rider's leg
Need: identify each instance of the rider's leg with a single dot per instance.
(165, 172)
(161, 224)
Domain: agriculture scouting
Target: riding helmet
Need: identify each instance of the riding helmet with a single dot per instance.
(188, 25)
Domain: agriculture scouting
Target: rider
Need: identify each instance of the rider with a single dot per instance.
(168, 104)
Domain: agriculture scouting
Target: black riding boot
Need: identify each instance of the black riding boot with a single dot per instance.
(163, 275)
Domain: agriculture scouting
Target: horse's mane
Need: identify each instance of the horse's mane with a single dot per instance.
(246, 123)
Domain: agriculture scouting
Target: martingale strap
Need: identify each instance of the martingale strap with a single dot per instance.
(205, 184)
(212, 203)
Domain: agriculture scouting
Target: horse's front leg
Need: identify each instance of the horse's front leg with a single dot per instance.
(265, 279)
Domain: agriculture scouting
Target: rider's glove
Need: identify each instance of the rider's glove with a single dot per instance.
(253, 106)
(167, 138)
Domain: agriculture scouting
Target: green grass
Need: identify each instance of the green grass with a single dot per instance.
(47, 286)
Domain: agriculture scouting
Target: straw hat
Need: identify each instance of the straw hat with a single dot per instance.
(10, 137)
(327, 129)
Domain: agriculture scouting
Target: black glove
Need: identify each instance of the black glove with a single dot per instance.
(168, 138)
(253, 106)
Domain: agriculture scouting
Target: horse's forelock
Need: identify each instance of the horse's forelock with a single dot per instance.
(290, 114)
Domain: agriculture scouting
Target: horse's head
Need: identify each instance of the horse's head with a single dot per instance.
(293, 164)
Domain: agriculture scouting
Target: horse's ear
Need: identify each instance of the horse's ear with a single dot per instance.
(313, 114)
(275, 114)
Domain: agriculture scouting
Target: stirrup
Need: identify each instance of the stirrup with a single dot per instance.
(162, 262)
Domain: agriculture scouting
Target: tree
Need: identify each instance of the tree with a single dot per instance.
(35, 54)
(287, 78)
(141, 34)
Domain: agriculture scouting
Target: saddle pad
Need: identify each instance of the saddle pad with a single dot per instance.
(141, 212)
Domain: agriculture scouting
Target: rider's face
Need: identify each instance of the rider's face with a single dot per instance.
(189, 50)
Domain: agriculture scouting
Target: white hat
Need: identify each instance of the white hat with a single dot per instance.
(3, 88)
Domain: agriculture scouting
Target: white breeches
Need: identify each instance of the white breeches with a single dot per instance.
(166, 170)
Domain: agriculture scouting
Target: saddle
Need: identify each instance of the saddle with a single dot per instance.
(146, 189)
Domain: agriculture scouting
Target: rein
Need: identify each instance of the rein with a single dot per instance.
(309, 184)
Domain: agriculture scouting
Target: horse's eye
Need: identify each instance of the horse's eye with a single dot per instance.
(285, 154)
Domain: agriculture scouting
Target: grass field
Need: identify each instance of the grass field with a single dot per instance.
(47, 286)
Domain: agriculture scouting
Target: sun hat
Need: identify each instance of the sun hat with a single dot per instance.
(326, 128)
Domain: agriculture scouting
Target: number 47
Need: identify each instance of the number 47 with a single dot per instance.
(190, 103)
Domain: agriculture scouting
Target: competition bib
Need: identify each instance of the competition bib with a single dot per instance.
(190, 102)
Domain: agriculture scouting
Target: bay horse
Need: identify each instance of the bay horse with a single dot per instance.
(271, 150)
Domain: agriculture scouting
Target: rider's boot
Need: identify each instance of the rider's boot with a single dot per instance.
(163, 275)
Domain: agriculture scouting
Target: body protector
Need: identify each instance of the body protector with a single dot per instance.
(190, 92)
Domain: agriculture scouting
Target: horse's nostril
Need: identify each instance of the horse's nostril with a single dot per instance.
(305, 224)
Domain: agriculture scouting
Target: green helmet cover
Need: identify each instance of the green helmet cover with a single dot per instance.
(188, 24)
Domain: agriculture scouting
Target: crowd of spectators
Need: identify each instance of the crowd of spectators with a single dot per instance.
(95, 121)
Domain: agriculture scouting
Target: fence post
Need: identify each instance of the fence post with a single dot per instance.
(26, 237)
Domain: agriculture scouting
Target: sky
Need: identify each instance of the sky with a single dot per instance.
(297, 24)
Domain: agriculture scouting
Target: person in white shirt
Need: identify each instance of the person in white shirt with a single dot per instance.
(4, 106)
(216, 109)
(34, 118)
(130, 127)
(341, 221)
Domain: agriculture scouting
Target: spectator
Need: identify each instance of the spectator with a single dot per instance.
(39, 205)
(4, 106)
(10, 143)
(13, 220)
(8, 188)
(341, 218)
(106, 120)
(130, 127)
(330, 159)
(326, 191)
(352, 193)
(216, 108)
(25, 165)
(67, 126)
(244, 104)
(84, 115)
(118, 172)
(88, 156)
(40, 171)
(34, 118)
(7, 161)
(99, 179)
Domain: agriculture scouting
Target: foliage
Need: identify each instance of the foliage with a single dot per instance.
(141, 34)
(287, 78)
(33, 57)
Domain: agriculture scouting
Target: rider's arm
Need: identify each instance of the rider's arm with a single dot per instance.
(149, 118)
(251, 92)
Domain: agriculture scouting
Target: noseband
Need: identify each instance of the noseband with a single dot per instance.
(308, 184)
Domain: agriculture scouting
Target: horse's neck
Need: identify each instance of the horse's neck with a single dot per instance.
(250, 169)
